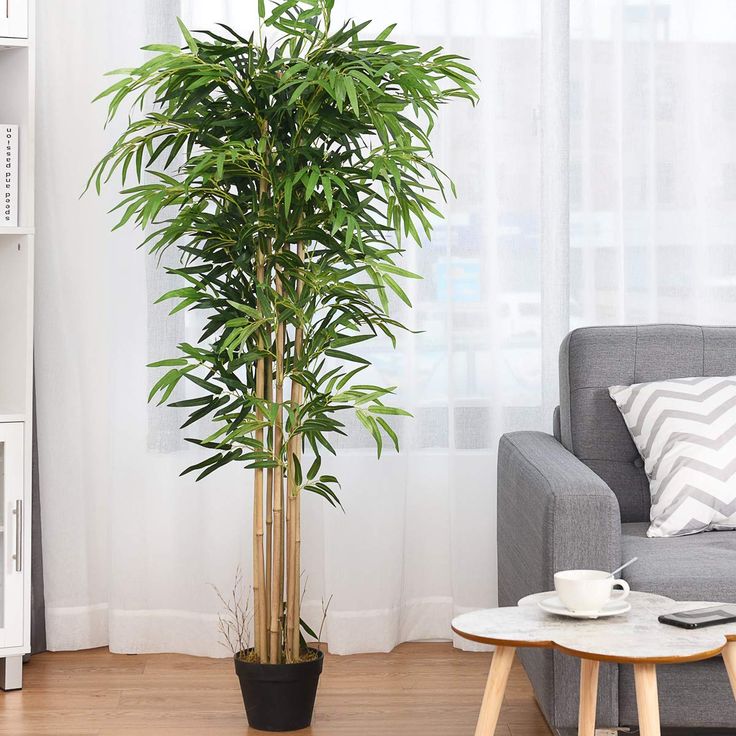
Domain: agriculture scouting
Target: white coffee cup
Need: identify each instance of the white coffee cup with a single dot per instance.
(587, 591)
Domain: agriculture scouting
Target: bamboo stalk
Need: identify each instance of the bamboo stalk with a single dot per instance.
(294, 504)
(289, 558)
(292, 622)
(259, 582)
(269, 506)
(277, 577)
(292, 588)
(297, 545)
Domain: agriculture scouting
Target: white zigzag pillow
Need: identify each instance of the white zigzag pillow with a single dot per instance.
(685, 431)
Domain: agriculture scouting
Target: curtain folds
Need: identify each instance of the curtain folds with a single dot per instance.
(596, 184)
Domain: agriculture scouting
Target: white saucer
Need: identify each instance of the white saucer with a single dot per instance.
(612, 608)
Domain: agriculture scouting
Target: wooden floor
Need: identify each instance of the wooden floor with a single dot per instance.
(417, 690)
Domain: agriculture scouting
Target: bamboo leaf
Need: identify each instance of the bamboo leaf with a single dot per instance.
(314, 468)
(311, 183)
(389, 431)
(352, 95)
(168, 362)
(187, 36)
(288, 184)
(342, 355)
(380, 409)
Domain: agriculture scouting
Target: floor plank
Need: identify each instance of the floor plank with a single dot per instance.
(417, 690)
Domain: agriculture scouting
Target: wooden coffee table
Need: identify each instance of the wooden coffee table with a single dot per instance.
(635, 638)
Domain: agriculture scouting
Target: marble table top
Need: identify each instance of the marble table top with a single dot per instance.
(636, 636)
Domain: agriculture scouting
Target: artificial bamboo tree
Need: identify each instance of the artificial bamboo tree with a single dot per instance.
(287, 169)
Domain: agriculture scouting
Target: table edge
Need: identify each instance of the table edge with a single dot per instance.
(541, 644)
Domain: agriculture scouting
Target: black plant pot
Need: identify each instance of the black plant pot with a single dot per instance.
(279, 697)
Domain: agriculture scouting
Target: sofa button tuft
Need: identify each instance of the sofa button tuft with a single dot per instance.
(638, 463)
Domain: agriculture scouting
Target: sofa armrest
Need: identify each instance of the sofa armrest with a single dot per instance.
(554, 513)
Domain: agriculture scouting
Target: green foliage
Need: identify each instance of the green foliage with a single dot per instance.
(238, 149)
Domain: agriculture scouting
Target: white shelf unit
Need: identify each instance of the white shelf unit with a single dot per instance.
(17, 105)
(13, 43)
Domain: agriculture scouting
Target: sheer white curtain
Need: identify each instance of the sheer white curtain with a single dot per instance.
(653, 161)
(131, 548)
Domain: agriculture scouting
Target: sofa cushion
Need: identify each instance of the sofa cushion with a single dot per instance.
(700, 567)
(685, 431)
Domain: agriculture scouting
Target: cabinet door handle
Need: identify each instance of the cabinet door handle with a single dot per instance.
(18, 556)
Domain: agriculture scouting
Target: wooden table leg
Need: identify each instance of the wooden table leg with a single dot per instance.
(495, 688)
(729, 659)
(647, 701)
(588, 696)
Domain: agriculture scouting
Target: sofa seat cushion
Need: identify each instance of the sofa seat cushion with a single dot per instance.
(698, 567)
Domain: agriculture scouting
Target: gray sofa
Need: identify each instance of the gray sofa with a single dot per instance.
(580, 498)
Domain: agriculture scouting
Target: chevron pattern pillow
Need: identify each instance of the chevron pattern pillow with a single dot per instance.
(685, 431)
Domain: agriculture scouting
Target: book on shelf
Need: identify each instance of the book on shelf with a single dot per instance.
(9, 181)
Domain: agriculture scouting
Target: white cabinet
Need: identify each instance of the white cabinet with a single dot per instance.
(15, 548)
(14, 18)
(12, 536)
(17, 107)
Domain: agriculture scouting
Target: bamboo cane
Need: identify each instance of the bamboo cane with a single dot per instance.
(269, 506)
(292, 586)
(289, 605)
(259, 582)
(291, 655)
(293, 504)
(296, 523)
(277, 577)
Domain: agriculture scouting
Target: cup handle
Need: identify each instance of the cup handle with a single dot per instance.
(619, 595)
